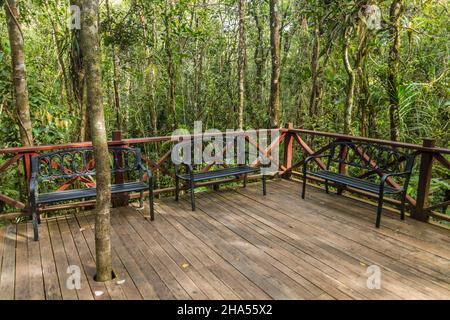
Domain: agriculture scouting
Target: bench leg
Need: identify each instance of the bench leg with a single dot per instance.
(245, 180)
(177, 188)
(264, 185)
(151, 204)
(192, 187)
(141, 200)
(402, 209)
(326, 186)
(151, 198)
(379, 210)
(304, 185)
(36, 221)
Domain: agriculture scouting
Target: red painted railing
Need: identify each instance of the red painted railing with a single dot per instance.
(296, 143)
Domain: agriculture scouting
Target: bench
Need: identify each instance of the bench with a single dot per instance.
(72, 165)
(366, 161)
(192, 177)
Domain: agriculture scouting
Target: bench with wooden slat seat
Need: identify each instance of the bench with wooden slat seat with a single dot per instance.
(78, 164)
(382, 161)
(192, 177)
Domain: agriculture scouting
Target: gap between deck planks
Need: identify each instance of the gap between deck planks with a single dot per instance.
(237, 245)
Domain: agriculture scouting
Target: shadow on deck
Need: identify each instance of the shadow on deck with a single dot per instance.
(237, 245)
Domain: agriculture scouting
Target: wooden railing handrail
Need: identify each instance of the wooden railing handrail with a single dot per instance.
(16, 150)
(412, 146)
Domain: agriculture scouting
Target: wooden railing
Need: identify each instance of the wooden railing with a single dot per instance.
(295, 144)
(156, 152)
(427, 157)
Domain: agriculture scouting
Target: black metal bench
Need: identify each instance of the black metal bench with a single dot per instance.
(78, 164)
(192, 177)
(380, 162)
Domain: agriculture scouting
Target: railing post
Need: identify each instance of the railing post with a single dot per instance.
(288, 142)
(423, 188)
(120, 199)
(343, 168)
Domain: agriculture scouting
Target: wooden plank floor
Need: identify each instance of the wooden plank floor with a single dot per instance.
(237, 245)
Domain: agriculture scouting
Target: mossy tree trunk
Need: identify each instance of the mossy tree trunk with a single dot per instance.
(22, 106)
(241, 63)
(92, 58)
(393, 81)
(274, 110)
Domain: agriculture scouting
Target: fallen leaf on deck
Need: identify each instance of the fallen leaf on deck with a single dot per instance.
(185, 265)
(82, 229)
(121, 281)
(98, 293)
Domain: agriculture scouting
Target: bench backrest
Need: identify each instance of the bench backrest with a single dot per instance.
(371, 156)
(71, 163)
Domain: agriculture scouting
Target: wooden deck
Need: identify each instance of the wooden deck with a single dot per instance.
(237, 245)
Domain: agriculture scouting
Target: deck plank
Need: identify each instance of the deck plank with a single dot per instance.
(429, 265)
(61, 261)
(185, 260)
(238, 244)
(244, 257)
(35, 277)
(365, 244)
(73, 259)
(87, 260)
(7, 277)
(2, 244)
(241, 285)
(22, 291)
(113, 291)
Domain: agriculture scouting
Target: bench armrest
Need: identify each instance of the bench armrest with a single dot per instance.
(144, 170)
(396, 174)
(187, 165)
(33, 188)
(310, 158)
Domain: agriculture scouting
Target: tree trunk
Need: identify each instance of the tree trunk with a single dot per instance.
(115, 62)
(59, 55)
(22, 106)
(149, 76)
(77, 75)
(92, 57)
(241, 62)
(349, 101)
(170, 64)
(274, 110)
(315, 87)
(260, 57)
(394, 72)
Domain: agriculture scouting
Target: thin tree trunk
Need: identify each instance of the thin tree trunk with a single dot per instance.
(126, 105)
(115, 62)
(394, 72)
(170, 64)
(315, 87)
(349, 101)
(241, 62)
(77, 76)
(22, 105)
(59, 55)
(149, 76)
(92, 58)
(260, 57)
(274, 110)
